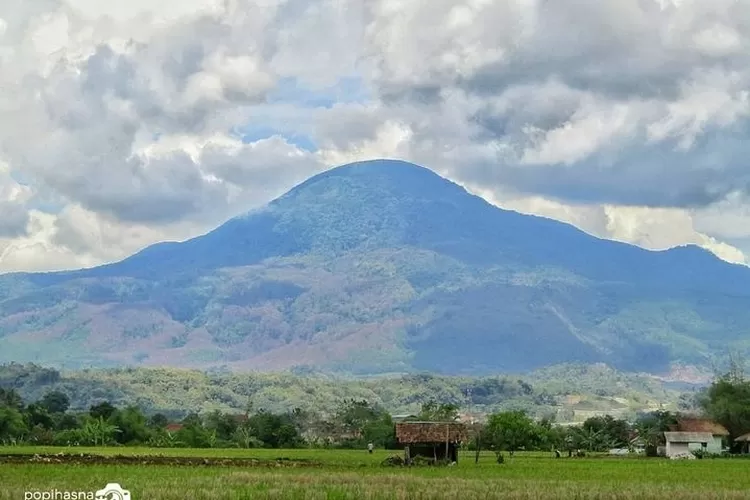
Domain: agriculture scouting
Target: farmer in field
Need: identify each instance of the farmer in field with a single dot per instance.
(369, 448)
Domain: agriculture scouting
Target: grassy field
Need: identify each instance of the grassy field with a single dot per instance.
(354, 474)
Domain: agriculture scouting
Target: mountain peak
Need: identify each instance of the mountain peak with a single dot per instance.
(379, 167)
(396, 177)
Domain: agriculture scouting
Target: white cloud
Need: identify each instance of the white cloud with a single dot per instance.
(628, 119)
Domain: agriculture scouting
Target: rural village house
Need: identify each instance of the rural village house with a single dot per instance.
(693, 434)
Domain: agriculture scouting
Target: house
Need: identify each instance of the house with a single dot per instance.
(692, 434)
(680, 443)
(471, 418)
(432, 440)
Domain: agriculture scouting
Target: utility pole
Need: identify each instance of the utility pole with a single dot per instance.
(473, 422)
(469, 405)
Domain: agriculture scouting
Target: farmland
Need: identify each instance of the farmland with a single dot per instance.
(344, 474)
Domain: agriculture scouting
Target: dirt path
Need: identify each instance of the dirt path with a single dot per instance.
(89, 459)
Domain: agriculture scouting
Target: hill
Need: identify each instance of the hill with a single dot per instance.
(383, 266)
(574, 393)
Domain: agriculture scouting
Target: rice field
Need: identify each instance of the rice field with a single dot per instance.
(354, 474)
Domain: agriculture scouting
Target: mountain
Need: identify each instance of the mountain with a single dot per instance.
(383, 266)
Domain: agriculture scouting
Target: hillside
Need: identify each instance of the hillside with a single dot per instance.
(377, 267)
(589, 390)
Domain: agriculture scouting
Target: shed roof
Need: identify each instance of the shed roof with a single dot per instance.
(743, 438)
(689, 437)
(405, 416)
(430, 432)
(701, 425)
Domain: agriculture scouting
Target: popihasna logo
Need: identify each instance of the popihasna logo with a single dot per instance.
(112, 491)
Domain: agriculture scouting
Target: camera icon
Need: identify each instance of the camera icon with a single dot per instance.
(112, 491)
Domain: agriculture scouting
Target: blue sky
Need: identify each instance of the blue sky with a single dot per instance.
(292, 92)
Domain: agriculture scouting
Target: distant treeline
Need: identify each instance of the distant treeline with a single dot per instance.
(176, 392)
(354, 424)
(50, 418)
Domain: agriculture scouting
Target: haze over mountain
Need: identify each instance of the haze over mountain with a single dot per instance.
(383, 266)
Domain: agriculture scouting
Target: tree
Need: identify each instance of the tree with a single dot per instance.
(552, 437)
(223, 424)
(66, 421)
(275, 431)
(103, 410)
(728, 402)
(11, 399)
(432, 411)
(36, 415)
(381, 432)
(651, 428)
(55, 402)
(510, 431)
(591, 439)
(132, 424)
(99, 432)
(12, 425)
(245, 439)
(158, 421)
(353, 416)
(613, 433)
(193, 433)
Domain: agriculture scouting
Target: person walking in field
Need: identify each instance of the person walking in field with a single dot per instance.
(369, 448)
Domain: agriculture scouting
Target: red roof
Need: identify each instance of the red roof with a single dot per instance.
(174, 427)
(700, 425)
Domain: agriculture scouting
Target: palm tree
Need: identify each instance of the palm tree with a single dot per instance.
(100, 431)
(166, 440)
(592, 440)
(650, 434)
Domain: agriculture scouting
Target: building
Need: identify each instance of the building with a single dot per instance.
(692, 434)
(174, 427)
(472, 418)
(680, 443)
(744, 440)
(434, 441)
(403, 417)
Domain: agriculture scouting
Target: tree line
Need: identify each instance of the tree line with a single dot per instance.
(354, 423)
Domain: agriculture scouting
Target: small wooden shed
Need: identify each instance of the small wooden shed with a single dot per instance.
(744, 440)
(432, 440)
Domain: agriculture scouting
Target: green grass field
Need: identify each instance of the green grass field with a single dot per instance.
(354, 474)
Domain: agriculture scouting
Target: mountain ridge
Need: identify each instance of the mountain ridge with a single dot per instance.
(381, 266)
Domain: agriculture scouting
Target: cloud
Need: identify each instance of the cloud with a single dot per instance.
(123, 123)
(598, 102)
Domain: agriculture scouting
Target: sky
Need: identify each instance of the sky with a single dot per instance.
(127, 123)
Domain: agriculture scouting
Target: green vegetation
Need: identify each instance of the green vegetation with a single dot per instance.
(570, 393)
(356, 475)
(248, 455)
(353, 424)
(728, 401)
(50, 419)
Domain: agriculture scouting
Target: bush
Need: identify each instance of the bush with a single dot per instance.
(393, 461)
